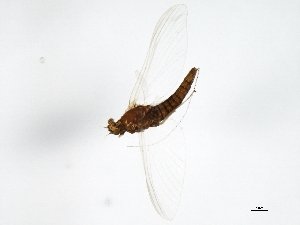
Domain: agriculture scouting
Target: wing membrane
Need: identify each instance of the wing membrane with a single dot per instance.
(163, 158)
(164, 164)
(165, 59)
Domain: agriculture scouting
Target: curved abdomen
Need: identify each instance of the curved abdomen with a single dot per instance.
(160, 112)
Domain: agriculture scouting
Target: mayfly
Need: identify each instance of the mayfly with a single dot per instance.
(163, 157)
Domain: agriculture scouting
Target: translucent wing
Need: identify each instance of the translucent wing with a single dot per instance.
(164, 162)
(164, 165)
(165, 59)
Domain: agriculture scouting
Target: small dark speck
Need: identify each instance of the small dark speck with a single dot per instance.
(107, 202)
(42, 60)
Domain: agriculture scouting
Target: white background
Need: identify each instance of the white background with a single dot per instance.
(241, 129)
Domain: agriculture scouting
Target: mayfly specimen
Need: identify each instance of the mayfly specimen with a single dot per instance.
(163, 157)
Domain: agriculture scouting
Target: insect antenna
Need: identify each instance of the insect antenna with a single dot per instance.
(106, 135)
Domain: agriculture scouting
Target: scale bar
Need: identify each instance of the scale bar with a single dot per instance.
(259, 210)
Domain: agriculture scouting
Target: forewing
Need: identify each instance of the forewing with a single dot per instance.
(165, 59)
(164, 164)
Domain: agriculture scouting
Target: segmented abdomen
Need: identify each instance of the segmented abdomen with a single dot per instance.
(161, 111)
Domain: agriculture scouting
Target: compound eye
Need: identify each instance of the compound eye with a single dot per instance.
(111, 121)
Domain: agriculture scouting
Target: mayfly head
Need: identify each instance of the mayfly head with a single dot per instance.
(113, 127)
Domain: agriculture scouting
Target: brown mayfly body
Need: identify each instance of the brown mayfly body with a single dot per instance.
(162, 148)
(142, 117)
